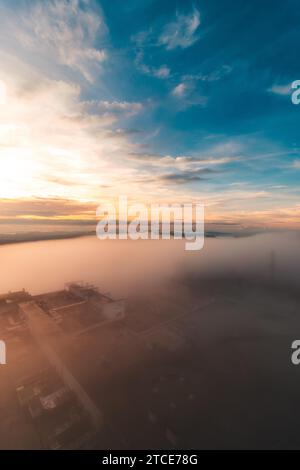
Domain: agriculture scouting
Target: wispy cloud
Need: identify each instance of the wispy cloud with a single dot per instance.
(187, 95)
(296, 165)
(61, 31)
(160, 71)
(45, 208)
(182, 162)
(128, 108)
(179, 33)
(180, 90)
(186, 177)
(182, 32)
(282, 90)
(53, 143)
(212, 76)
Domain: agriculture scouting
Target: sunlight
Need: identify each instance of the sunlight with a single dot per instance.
(17, 170)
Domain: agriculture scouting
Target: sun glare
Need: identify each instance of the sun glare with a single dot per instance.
(17, 171)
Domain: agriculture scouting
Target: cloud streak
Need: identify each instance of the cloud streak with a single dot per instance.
(182, 32)
(64, 32)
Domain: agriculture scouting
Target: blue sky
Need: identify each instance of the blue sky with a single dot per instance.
(165, 100)
(227, 68)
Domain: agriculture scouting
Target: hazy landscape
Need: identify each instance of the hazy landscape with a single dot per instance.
(202, 355)
(123, 123)
(123, 266)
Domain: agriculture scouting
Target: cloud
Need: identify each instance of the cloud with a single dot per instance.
(181, 32)
(161, 71)
(52, 143)
(213, 76)
(48, 208)
(296, 165)
(178, 170)
(181, 162)
(187, 88)
(180, 90)
(185, 177)
(116, 107)
(282, 90)
(187, 95)
(63, 32)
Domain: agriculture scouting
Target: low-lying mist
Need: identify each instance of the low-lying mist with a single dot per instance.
(125, 266)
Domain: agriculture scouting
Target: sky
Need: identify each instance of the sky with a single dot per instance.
(162, 101)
